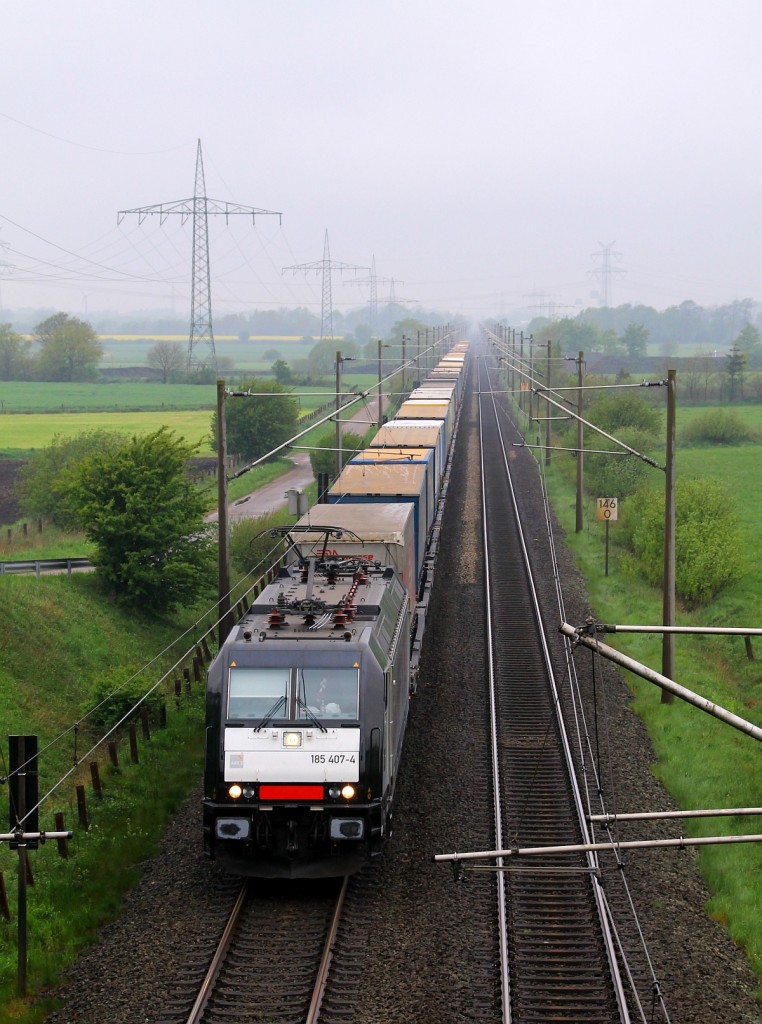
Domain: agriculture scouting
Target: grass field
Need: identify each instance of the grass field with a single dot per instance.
(119, 396)
(34, 413)
(131, 350)
(20, 434)
(751, 415)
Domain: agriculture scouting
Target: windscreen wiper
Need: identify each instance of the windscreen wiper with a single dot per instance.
(270, 714)
(310, 714)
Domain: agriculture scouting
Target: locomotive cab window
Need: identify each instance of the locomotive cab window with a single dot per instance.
(328, 692)
(256, 692)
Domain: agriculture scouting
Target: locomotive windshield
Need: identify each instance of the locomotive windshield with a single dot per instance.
(293, 693)
(328, 693)
(254, 691)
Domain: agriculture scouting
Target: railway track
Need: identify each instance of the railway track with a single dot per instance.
(273, 960)
(558, 958)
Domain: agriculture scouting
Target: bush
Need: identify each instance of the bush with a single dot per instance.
(708, 542)
(613, 412)
(46, 483)
(323, 456)
(116, 695)
(617, 476)
(252, 549)
(718, 426)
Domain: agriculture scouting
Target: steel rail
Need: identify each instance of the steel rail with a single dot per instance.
(608, 938)
(505, 978)
(313, 1014)
(207, 985)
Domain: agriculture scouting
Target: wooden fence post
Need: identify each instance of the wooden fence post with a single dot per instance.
(63, 843)
(82, 808)
(134, 744)
(95, 775)
(145, 723)
(113, 754)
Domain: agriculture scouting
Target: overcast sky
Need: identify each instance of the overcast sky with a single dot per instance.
(481, 152)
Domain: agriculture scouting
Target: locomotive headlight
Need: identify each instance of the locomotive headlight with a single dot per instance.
(235, 791)
(292, 739)
(347, 792)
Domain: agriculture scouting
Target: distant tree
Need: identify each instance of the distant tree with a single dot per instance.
(282, 371)
(362, 334)
(749, 341)
(271, 353)
(70, 349)
(322, 357)
(575, 335)
(635, 340)
(15, 361)
(610, 342)
(735, 370)
(146, 518)
(169, 357)
(258, 424)
(46, 480)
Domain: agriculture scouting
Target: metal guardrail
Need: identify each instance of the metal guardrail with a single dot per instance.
(42, 565)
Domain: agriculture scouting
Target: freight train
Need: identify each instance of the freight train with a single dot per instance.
(307, 699)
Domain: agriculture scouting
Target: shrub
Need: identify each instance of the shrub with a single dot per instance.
(323, 455)
(717, 426)
(252, 549)
(46, 482)
(613, 412)
(617, 476)
(115, 695)
(708, 543)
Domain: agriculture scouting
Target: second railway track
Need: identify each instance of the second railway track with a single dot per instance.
(557, 964)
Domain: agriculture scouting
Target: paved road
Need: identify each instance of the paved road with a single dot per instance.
(273, 495)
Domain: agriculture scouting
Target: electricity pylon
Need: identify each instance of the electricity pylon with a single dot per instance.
(325, 267)
(199, 208)
(605, 270)
(373, 280)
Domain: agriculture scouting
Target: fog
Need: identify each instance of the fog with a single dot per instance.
(479, 153)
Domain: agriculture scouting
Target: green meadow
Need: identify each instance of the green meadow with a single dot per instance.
(119, 396)
(248, 356)
(32, 414)
(21, 433)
